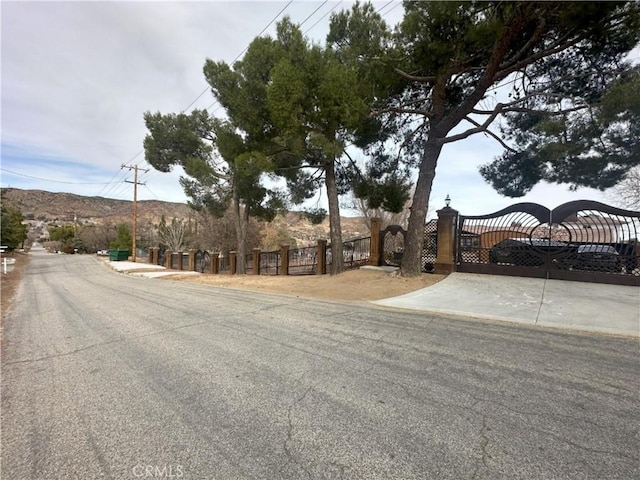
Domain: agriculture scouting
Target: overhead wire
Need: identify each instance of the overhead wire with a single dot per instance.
(312, 13)
(397, 3)
(116, 184)
(50, 180)
(322, 17)
(207, 88)
(113, 188)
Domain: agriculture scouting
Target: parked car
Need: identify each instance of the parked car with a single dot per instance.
(103, 253)
(597, 257)
(527, 252)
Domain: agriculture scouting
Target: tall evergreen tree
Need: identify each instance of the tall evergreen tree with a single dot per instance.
(457, 69)
(306, 107)
(222, 170)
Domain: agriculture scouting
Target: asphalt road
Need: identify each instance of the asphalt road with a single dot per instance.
(110, 376)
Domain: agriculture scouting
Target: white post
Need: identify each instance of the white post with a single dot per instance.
(4, 265)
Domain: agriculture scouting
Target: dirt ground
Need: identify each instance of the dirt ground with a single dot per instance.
(10, 281)
(361, 284)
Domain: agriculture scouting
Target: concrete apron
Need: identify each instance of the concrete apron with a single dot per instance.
(584, 306)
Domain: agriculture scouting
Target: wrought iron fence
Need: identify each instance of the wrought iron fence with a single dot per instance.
(356, 252)
(248, 263)
(223, 264)
(303, 261)
(270, 263)
(175, 258)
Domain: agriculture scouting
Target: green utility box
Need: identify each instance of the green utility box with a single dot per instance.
(118, 255)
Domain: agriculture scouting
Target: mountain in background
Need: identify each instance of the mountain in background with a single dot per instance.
(52, 208)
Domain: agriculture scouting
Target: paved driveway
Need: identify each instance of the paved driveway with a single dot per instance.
(112, 376)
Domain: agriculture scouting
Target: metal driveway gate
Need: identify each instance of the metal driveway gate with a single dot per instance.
(582, 240)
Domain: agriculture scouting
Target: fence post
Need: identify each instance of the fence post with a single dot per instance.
(375, 258)
(153, 255)
(215, 263)
(192, 260)
(284, 260)
(233, 260)
(256, 261)
(168, 259)
(322, 257)
(445, 258)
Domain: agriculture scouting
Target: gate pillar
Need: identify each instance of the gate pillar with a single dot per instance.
(375, 257)
(192, 261)
(153, 255)
(446, 252)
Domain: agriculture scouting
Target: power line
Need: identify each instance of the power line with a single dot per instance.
(312, 13)
(150, 191)
(242, 52)
(52, 181)
(247, 47)
(385, 6)
(322, 17)
(207, 88)
(111, 182)
(116, 184)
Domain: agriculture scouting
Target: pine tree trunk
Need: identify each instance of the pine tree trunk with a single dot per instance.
(335, 230)
(411, 265)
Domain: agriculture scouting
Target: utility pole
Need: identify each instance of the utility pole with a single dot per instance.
(135, 203)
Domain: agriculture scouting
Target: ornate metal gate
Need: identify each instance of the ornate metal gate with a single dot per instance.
(392, 245)
(582, 240)
(202, 261)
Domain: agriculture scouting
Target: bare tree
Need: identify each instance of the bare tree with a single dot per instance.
(626, 194)
(219, 234)
(173, 235)
(387, 218)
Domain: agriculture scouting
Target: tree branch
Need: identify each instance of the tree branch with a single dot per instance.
(415, 78)
(491, 73)
(479, 128)
(412, 111)
(487, 131)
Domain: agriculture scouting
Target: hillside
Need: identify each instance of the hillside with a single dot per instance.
(48, 206)
(63, 207)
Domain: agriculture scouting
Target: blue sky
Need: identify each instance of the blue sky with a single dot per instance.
(77, 78)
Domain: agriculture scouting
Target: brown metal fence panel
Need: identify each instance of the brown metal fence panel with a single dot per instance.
(270, 263)
(582, 240)
(303, 261)
(223, 264)
(356, 252)
(248, 263)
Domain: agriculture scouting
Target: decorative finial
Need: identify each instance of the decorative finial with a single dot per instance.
(447, 200)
